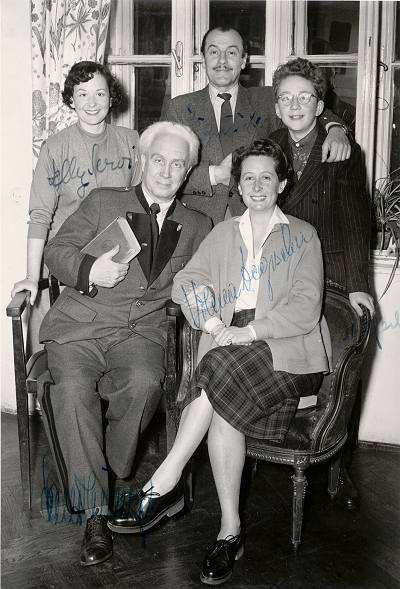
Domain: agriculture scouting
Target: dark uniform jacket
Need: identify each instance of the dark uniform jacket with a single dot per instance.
(137, 302)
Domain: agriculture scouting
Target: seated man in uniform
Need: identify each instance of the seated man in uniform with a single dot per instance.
(110, 320)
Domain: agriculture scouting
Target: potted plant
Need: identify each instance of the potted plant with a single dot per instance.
(386, 207)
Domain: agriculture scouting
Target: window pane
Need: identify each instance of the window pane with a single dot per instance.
(341, 95)
(152, 86)
(152, 30)
(395, 149)
(247, 17)
(252, 77)
(332, 27)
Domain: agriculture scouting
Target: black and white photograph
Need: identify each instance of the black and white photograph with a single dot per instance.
(200, 336)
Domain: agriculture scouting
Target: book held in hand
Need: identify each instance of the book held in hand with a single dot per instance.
(117, 232)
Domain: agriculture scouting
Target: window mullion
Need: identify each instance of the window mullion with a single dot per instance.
(385, 91)
(366, 82)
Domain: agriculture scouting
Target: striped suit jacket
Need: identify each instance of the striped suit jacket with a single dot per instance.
(255, 118)
(333, 198)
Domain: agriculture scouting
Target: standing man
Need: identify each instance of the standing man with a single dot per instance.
(225, 116)
(110, 320)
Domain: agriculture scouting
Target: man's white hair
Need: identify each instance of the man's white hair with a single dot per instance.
(170, 128)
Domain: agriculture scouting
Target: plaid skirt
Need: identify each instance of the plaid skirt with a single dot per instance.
(243, 387)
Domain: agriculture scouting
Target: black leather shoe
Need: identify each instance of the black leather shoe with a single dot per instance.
(219, 560)
(347, 495)
(97, 542)
(142, 511)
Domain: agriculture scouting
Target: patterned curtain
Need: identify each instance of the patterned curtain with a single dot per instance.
(63, 32)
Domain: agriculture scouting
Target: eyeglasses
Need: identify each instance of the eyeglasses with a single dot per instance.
(302, 98)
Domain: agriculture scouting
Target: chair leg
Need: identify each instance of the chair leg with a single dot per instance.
(22, 415)
(188, 486)
(299, 490)
(334, 474)
(24, 457)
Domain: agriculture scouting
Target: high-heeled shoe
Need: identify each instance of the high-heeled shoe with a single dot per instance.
(220, 558)
(141, 512)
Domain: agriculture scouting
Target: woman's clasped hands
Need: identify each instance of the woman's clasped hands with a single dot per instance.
(225, 336)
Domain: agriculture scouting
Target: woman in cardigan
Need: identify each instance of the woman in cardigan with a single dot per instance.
(254, 287)
(87, 155)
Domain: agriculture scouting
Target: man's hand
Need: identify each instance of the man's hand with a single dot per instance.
(223, 171)
(362, 298)
(107, 273)
(26, 284)
(336, 146)
(224, 336)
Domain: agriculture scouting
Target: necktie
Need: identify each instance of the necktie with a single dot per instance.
(226, 123)
(154, 210)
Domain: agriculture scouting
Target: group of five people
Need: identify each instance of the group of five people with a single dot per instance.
(264, 342)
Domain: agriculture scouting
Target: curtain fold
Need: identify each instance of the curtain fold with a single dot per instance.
(63, 32)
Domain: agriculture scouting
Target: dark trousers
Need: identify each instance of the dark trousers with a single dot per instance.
(134, 367)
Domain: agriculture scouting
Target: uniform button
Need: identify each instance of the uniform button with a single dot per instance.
(138, 303)
(132, 325)
(141, 287)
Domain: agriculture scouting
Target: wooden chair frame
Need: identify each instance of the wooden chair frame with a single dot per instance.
(317, 433)
(28, 371)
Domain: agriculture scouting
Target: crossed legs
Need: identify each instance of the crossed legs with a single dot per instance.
(226, 447)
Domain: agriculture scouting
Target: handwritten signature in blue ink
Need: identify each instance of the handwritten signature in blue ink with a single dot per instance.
(388, 326)
(81, 495)
(208, 303)
(70, 170)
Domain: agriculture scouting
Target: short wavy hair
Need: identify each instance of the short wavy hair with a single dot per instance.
(83, 71)
(169, 127)
(262, 147)
(304, 68)
(225, 29)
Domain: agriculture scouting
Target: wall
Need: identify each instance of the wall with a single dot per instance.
(16, 162)
(381, 399)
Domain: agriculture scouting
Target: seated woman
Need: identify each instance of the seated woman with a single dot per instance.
(254, 287)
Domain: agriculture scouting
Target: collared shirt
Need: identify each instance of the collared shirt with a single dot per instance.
(164, 206)
(247, 298)
(301, 150)
(216, 102)
(249, 287)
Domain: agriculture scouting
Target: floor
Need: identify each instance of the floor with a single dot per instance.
(340, 549)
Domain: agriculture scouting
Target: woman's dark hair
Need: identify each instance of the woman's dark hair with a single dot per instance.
(83, 71)
(264, 147)
(303, 68)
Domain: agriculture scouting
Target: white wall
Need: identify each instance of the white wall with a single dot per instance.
(380, 415)
(16, 167)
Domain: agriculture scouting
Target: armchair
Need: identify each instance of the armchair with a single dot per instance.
(319, 430)
(30, 371)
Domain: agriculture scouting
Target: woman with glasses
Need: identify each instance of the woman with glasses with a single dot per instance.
(254, 288)
(331, 197)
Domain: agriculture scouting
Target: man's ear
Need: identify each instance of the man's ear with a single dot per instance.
(320, 108)
(277, 110)
(244, 61)
(142, 161)
(239, 190)
(187, 173)
(282, 186)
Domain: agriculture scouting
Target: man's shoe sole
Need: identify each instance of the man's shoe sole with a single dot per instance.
(169, 511)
